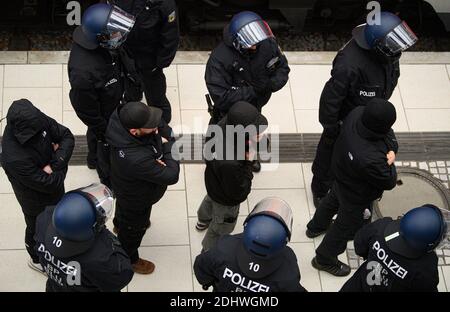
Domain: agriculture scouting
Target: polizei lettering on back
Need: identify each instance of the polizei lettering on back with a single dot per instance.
(63, 267)
(243, 283)
(393, 266)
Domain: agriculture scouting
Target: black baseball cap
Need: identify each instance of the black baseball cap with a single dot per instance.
(136, 115)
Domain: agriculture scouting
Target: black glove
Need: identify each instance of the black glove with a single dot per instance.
(58, 162)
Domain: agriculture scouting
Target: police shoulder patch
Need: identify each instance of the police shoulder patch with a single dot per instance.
(172, 16)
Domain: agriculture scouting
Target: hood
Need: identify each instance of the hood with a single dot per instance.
(118, 136)
(24, 120)
(362, 130)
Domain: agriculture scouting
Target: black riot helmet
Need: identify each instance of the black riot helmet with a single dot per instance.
(267, 230)
(390, 37)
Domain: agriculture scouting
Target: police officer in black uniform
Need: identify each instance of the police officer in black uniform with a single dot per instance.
(257, 260)
(97, 70)
(399, 254)
(366, 67)
(363, 164)
(247, 66)
(153, 43)
(142, 166)
(75, 248)
(35, 154)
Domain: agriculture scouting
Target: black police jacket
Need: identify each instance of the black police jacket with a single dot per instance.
(218, 267)
(386, 271)
(104, 267)
(96, 86)
(137, 178)
(359, 161)
(227, 182)
(232, 76)
(27, 148)
(357, 76)
(155, 37)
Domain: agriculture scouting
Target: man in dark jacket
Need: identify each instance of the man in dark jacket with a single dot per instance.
(35, 153)
(257, 260)
(153, 42)
(363, 163)
(97, 77)
(367, 67)
(142, 167)
(399, 254)
(228, 176)
(75, 248)
(245, 67)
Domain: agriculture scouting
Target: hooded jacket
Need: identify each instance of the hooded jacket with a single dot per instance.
(358, 75)
(155, 37)
(137, 178)
(27, 148)
(232, 76)
(228, 182)
(360, 163)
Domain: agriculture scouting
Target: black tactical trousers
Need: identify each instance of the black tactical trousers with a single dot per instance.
(30, 243)
(92, 146)
(350, 218)
(132, 223)
(98, 155)
(321, 167)
(154, 84)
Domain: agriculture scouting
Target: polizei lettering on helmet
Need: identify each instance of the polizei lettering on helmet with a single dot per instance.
(243, 283)
(393, 266)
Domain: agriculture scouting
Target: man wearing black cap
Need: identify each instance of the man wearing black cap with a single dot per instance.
(142, 167)
(228, 176)
(257, 260)
(100, 73)
(35, 155)
(75, 248)
(400, 254)
(363, 163)
(366, 67)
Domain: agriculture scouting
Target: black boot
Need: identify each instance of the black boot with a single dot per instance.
(337, 269)
(316, 201)
(256, 166)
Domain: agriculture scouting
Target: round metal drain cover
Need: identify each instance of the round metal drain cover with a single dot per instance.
(414, 188)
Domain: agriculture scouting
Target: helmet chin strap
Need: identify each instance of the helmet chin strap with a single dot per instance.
(385, 55)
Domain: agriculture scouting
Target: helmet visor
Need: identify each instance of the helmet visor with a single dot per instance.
(445, 242)
(399, 39)
(277, 208)
(253, 33)
(101, 197)
(117, 29)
